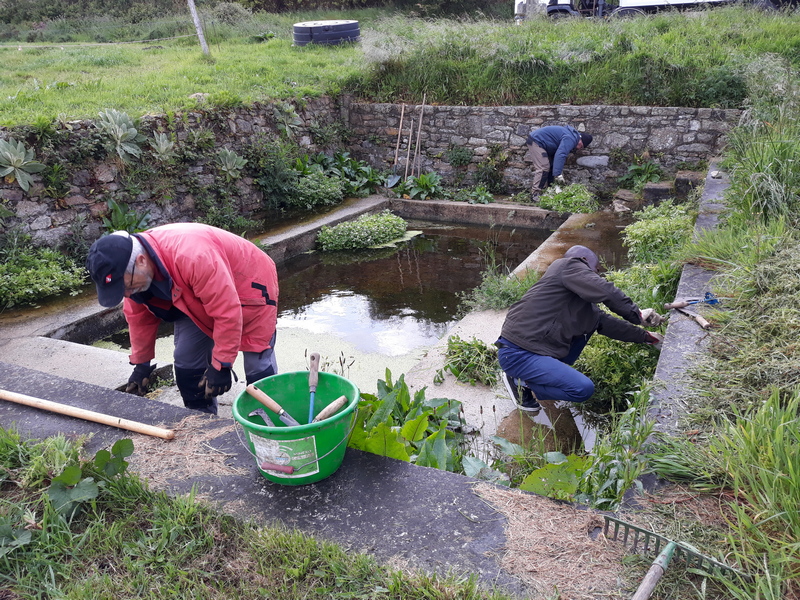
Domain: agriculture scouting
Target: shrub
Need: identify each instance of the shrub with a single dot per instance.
(316, 189)
(422, 186)
(28, 274)
(498, 290)
(364, 232)
(658, 231)
(575, 198)
(122, 218)
(413, 429)
(230, 13)
(639, 174)
(273, 162)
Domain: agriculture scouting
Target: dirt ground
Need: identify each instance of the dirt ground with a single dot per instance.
(555, 548)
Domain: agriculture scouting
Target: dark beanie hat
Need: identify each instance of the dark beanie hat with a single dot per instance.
(587, 139)
(107, 262)
(584, 253)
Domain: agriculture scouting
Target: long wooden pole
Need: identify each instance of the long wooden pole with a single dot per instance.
(408, 150)
(399, 135)
(419, 132)
(87, 415)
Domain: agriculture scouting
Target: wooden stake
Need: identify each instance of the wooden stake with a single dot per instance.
(419, 132)
(87, 415)
(399, 135)
(408, 150)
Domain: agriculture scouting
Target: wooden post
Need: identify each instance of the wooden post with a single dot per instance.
(198, 27)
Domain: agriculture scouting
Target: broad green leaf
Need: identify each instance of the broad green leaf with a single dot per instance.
(414, 430)
(123, 447)
(85, 490)
(101, 458)
(556, 480)
(384, 411)
(472, 465)
(554, 458)
(508, 448)
(70, 476)
(59, 496)
(385, 441)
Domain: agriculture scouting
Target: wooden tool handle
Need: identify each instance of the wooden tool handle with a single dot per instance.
(697, 318)
(331, 409)
(701, 321)
(677, 304)
(264, 399)
(265, 466)
(87, 415)
(313, 371)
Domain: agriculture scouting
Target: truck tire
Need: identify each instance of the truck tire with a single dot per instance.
(325, 32)
(628, 12)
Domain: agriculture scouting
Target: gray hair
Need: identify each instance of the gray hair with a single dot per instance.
(136, 251)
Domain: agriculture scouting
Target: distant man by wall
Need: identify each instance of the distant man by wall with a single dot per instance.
(548, 148)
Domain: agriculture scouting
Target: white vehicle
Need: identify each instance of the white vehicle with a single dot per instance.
(603, 8)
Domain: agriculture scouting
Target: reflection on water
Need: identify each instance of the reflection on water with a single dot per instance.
(393, 300)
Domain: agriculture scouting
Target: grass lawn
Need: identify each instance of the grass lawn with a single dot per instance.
(73, 82)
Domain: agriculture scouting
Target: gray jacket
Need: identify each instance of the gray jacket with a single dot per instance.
(563, 305)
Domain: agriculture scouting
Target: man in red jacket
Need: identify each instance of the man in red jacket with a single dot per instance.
(219, 290)
(545, 332)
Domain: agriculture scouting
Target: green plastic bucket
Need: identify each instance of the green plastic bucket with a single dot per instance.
(313, 451)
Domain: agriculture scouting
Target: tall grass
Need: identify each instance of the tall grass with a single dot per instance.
(673, 59)
(766, 171)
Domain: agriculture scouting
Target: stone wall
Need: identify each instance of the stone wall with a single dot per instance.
(669, 135)
(168, 196)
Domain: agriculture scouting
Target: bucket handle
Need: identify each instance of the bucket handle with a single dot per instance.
(289, 468)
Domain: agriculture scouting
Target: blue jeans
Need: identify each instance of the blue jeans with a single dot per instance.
(549, 378)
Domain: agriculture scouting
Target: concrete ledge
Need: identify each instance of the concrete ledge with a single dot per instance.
(499, 214)
(684, 339)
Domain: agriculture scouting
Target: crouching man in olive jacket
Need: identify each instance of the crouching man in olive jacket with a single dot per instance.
(545, 332)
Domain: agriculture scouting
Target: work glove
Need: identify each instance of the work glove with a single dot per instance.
(651, 318)
(654, 339)
(560, 179)
(139, 381)
(216, 382)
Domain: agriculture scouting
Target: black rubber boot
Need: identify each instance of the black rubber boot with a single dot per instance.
(259, 376)
(194, 397)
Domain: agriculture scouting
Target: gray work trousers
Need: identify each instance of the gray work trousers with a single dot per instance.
(193, 350)
(542, 171)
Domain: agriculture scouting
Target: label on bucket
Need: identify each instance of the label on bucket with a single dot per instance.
(300, 454)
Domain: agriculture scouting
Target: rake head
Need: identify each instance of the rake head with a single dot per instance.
(644, 541)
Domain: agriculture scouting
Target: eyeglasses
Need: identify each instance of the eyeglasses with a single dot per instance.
(130, 288)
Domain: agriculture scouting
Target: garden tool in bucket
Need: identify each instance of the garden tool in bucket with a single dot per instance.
(306, 452)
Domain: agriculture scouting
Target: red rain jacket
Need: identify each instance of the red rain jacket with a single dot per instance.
(224, 283)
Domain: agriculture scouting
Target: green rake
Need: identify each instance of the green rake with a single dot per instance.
(644, 541)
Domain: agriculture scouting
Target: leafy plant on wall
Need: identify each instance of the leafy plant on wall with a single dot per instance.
(17, 163)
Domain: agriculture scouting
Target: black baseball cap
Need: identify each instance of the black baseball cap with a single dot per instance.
(107, 262)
